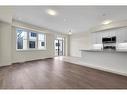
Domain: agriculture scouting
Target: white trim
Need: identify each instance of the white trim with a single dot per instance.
(18, 50)
(45, 47)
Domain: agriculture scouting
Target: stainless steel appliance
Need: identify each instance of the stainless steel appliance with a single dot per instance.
(109, 43)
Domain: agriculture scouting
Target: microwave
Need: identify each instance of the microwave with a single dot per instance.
(109, 39)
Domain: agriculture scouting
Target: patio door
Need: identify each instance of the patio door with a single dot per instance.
(59, 47)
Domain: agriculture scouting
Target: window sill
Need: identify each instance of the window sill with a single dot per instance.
(31, 50)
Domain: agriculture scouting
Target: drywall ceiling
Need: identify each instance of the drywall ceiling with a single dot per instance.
(76, 18)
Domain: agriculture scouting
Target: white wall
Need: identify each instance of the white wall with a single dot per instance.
(20, 56)
(0, 47)
(78, 42)
(8, 53)
(6, 14)
(5, 43)
(5, 29)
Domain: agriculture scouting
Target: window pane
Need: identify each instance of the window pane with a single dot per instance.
(21, 33)
(32, 36)
(57, 44)
(41, 45)
(31, 44)
(41, 37)
(41, 41)
(32, 39)
(20, 44)
(21, 39)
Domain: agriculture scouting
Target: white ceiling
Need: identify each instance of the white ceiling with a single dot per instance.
(78, 18)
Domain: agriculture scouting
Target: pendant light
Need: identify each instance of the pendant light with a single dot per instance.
(70, 33)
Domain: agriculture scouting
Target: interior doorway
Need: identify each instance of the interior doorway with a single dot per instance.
(59, 46)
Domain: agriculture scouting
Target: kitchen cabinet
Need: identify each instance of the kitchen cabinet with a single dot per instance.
(112, 33)
(109, 33)
(94, 38)
(105, 34)
(97, 38)
(122, 35)
(125, 36)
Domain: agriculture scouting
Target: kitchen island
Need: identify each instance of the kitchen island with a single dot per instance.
(108, 60)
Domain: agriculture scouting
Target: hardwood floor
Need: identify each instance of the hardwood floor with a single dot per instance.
(56, 74)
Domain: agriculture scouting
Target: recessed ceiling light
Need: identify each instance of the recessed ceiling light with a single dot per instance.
(106, 22)
(51, 12)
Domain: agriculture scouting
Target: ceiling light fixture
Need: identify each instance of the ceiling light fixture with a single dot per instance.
(106, 22)
(51, 12)
(70, 33)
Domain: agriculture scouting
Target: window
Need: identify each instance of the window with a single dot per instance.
(41, 41)
(32, 44)
(33, 34)
(30, 40)
(21, 39)
(57, 44)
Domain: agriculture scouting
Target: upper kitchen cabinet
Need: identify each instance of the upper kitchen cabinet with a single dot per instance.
(125, 36)
(108, 33)
(112, 33)
(94, 41)
(97, 38)
(105, 34)
(121, 35)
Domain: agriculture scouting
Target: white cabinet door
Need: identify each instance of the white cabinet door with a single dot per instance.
(99, 37)
(109, 33)
(105, 34)
(112, 33)
(94, 38)
(121, 36)
(125, 36)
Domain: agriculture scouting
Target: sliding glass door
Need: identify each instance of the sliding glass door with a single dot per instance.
(59, 47)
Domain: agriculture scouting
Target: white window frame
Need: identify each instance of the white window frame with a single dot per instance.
(44, 40)
(16, 40)
(36, 47)
(36, 42)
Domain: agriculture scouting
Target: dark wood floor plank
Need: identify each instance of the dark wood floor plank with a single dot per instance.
(56, 74)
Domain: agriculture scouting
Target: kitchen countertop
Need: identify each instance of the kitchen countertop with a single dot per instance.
(112, 51)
